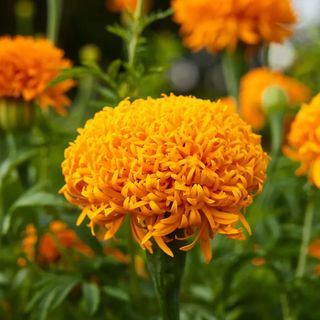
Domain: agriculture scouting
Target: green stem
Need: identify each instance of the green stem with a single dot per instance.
(134, 290)
(135, 33)
(54, 9)
(306, 233)
(44, 168)
(166, 273)
(276, 128)
(234, 67)
(285, 307)
(11, 143)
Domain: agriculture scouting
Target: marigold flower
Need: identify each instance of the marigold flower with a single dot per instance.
(222, 24)
(304, 140)
(314, 249)
(171, 164)
(252, 87)
(27, 66)
(124, 5)
(230, 102)
(59, 235)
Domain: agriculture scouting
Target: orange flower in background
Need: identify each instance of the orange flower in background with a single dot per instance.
(27, 66)
(58, 236)
(222, 24)
(304, 141)
(171, 164)
(124, 5)
(252, 87)
(314, 249)
(230, 102)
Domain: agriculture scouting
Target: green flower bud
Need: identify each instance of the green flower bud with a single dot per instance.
(274, 98)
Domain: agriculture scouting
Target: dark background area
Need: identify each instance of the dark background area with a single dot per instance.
(83, 22)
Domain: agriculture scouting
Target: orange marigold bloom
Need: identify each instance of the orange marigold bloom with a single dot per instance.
(252, 87)
(27, 66)
(222, 24)
(314, 249)
(230, 102)
(123, 5)
(304, 140)
(173, 163)
(59, 235)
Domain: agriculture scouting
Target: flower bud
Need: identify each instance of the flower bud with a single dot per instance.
(274, 98)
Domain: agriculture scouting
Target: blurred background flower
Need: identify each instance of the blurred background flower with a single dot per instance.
(304, 141)
(28, 65)
(48, 248)
(218, 25)
(252, 87)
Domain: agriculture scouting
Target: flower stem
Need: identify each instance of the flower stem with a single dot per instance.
(234, 67)
(276, 129)
(135, 33)
(54, 9)
(306, 232)
(166, 273)
(286, 312)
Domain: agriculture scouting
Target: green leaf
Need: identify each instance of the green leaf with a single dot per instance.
(39, 199)
(108, 95)
(51, 291)
(70, 73)
(91, 295)
(10, 163)
(45, 304)
(118, 31)
(113, 69)
(64, 291)
(156, 16)
(116, 293)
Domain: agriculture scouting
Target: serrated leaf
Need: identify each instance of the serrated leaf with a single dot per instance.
(113, 69)
(70, 73)
(118, 31)
(116, 293)
(91, 296)
(156, 16)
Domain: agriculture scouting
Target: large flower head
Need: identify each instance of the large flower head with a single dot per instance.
(49, 245)
(174, 165)
(252, 87)
(304, 140)
(222, 24)
(27, 66)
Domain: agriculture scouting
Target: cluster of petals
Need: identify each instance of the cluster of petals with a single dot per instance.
(46, 249)
(252, 87)
(304, 140)
(179, 167)
(223, 24)
(27, 66)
